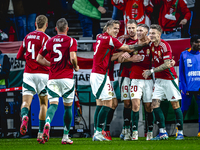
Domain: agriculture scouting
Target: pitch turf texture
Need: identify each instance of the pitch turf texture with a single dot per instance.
(190, 143)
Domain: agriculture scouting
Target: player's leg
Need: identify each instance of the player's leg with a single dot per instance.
(158, 94)
(101, 89)
(106, 131)
(25, 107)
(42, 94)
(147, 100)
(53, 96)
(136, 94)
(67, 118)
(28, 90)
(150, 120)
(126, 133)
(179, 119)
(135, 117)
(125, 96)
(173, 95)
(42, 116)
(99, 104)
(107, 106)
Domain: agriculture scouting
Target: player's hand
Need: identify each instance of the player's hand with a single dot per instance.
(123, 37)
(183, 22)
(126, 55)
(77, 68)
(102, 10)
(136, 58)
(146, 73)
(172, 63)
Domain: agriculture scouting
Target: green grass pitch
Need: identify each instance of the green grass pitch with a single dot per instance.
(190, 143)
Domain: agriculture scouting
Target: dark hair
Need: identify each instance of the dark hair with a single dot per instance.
(61, 24)
(112, 22)
(41, 20)
(132, 21)
(157, 27)
(194, 38)
(144, 26)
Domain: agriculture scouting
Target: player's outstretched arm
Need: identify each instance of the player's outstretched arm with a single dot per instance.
(135, 47)
(134, 59)
(74, 61)
(166, 65)
(41, 60)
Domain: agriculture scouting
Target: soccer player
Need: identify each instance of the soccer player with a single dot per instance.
(166, 84)
(35, 75)
(124, 81)
(189, 67)
(140, 87)
(63, 60)
(100, 82)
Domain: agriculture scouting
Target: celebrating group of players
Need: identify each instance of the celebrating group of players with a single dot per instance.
(140, 57)
(49, 73)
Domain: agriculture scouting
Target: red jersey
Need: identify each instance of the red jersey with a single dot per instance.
(59, 48)
(134, 9)
(160, 53)
(31, 45)
(124, 70)
(145, 64)
(104, 48)
(182, 12)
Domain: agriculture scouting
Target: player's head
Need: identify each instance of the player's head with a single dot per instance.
(113, 27)
(142, 31)
(41, 22)
(195, 42)
(62, 26)
(131, 27)
(155, 32)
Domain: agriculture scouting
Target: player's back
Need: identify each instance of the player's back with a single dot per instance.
(33, 42)
(104, 48)
(59, 48)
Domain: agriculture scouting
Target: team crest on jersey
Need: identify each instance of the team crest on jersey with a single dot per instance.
(152, 49)
(148, 51)
(159, 54)
(132, 94)
(135, 5)
(125, 95)
(110, 93)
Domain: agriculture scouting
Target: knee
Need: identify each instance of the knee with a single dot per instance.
(135, 107)
(175, 105)
(127, 104)
(114, 105)
(148, 108)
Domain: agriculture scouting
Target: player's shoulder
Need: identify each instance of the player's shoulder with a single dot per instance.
(165, 45)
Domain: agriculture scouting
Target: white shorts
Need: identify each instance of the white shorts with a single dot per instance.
(34, 83)
(112, 89)
(101, 86)
(142, 89)
(125, 88)
(166, 89)
(61, 88)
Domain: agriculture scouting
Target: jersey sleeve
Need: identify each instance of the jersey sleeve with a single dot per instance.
(22, 50)
(116, 43)
(167, 51)
(73, 45)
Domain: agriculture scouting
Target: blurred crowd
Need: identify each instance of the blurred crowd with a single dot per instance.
(178, 18)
